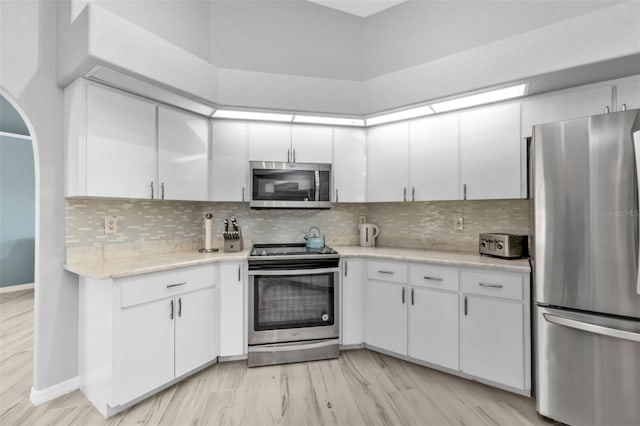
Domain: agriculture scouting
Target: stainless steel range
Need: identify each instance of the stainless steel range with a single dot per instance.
(293, 304)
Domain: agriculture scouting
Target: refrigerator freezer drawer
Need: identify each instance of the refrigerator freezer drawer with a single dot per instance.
(588, 368)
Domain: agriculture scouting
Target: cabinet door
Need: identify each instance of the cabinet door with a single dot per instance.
(490, 153)
(195, 330)
(434, 158)
(349, 151)
(492, 340)
(563, 106)
(121, 145)
(351, 302)
(269, 142)
(312, 144)
(183, 155)
(232, 311)
(629, 94)
(146, 348)
(387, 163)
(386, 316)
(230, 160)
(433, 327)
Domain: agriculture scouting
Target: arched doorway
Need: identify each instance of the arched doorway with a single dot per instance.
(17, 199)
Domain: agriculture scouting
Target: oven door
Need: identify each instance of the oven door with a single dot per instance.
(293, 305)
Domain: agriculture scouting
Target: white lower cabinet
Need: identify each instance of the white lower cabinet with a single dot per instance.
(351, 311)
(433, 327)
(475, 322)
(232, 311)
(495, 327)
(138, 334)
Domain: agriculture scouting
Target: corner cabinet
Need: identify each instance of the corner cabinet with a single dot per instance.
(349, 152)
(122, 146)
(139, 334)
(229, 161)
(387, 162)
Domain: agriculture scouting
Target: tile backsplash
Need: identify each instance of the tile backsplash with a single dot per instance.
(147, 227)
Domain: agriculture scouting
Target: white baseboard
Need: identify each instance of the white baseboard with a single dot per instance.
(38, 397)
(19, 287)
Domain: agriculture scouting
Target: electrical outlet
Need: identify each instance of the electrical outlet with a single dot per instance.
(458, 222)
(362, 219)
(111, 225)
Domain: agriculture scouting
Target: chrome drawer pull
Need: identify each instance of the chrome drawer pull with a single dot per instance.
(176, 284)
(433, 278)
(490, 285)
(386, 272)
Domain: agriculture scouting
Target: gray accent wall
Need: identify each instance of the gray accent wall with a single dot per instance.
(17, 211)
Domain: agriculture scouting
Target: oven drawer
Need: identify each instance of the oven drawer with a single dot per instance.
(440, 277)
(387, 271)
(502, 284)
(157, 285)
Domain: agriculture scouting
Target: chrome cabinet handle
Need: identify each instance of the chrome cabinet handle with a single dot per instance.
(413, 193)
(464, 191)
(386, 272)
(152, 190)
(294, 155)
(403, 290)
(465, 305)
(171, 304)
(412, 297)
(345, 268)
(179, 306)
(288, 155)
(176, 284)
(239, 273)
(490, 285)
(433, 278)
(243, 194)
(162, 190)
(404, 191)
(336, 195)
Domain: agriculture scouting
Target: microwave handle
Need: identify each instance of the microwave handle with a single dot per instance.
(317, 176)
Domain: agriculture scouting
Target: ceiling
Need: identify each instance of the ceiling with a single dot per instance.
(362, 8)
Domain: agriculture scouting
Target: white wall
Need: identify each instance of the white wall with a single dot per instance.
(417, 32)
(184, 23)
(293, 37)
(27, 74)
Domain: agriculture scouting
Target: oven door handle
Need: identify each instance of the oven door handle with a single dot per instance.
(294, 271)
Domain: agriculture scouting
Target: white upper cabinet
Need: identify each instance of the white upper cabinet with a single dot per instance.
(387, 163)
(629, 95)
(183, 155)
(434, 158)
(349, 151)
(311, 144)
(490, 153)
(563, 106)
(229, 160)
(269, 142)
(120, 148)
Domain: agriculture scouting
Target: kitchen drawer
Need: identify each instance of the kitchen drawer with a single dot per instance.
(505, 285)
(432, 276)
(387, 271)
(157, 285)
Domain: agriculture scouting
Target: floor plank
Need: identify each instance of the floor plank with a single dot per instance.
(360, 388)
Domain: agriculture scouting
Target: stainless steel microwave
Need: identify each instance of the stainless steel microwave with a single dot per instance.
(276, 185)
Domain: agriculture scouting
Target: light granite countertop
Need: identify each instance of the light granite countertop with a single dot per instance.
(134, 265)
(438, 257)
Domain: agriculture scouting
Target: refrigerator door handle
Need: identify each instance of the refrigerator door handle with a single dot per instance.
(636, 146)
(592, 328)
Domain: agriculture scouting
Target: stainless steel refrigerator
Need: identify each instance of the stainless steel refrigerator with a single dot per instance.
(585, 259)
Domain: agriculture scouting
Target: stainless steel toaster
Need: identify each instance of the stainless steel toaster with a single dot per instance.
(507, 246)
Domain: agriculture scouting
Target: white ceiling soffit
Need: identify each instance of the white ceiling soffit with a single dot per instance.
(362, 8)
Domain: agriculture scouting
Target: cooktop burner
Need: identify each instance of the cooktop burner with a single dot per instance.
(293, 249)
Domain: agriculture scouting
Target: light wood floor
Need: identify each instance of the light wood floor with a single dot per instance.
(359, 388)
